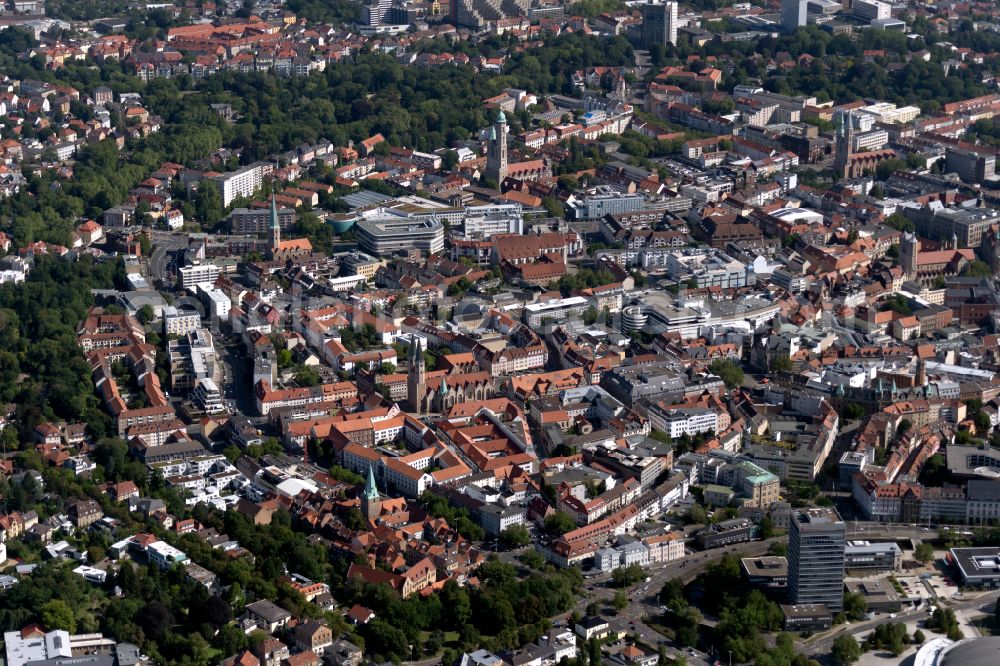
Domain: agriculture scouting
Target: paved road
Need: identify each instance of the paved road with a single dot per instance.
(644, 601)
(236, 378)
(822, 643)
(164, 246)
(643, 597)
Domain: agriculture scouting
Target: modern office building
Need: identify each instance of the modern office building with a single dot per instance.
(556, 309)
(968, 224)
(659, 23)
(386, 237)
(766, 572)
(794, 14)
(605, 201)
(977, 567)
(866, 556)
(970, 166)
(195, 274)
(483, 222)
(375, 11)
(870, 10)
(704, 268)
(816, 558)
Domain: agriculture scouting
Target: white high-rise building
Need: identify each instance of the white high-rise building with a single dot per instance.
(871, 10)
(794, 14)
(243, 182)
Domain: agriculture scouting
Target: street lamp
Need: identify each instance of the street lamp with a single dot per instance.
(730, 658)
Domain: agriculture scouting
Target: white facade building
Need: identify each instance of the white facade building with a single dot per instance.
(195, 274)
(180, 322)
(679, 421)
(240, 183)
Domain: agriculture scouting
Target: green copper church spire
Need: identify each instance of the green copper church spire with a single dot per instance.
(371, 490)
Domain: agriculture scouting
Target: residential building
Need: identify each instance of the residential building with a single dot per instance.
(180, 322)
(268, 616)
(165, 556)
(243, 182)
(258, 220)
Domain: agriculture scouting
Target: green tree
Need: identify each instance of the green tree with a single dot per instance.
(627, 576)
(553, 207)
(208, 204)
(923, 553)
(781, 364)
(855, 606)
(57, 614)
(853, 412)
(559, 523)
(306, 376)
(516, 536)
(620, 600)
(983, 424)
(145, 314)
(977, 268)
(729, 372)
(845, 650)
(766, 528)
(900, 222)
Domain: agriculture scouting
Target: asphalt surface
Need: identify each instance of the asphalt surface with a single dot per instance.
(644, 602)
(165, 245)
(823, 643)
(236, 377)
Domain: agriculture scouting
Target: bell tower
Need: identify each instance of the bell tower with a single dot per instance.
(908, 248)
(274, 230)
(843, 146)
(496, 150)
(371, 501)
(416, 379)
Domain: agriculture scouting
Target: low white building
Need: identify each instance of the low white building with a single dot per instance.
(683, 420)
(165, 556)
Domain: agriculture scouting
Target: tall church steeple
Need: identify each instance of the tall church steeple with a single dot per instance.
(416, 379)
(843, 146)
(274, 230)
(496, 150)
(371, 501)
(909, 248)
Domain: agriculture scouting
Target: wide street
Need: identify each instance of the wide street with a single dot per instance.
(165, 244)
(822, 643)
(644, 602)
